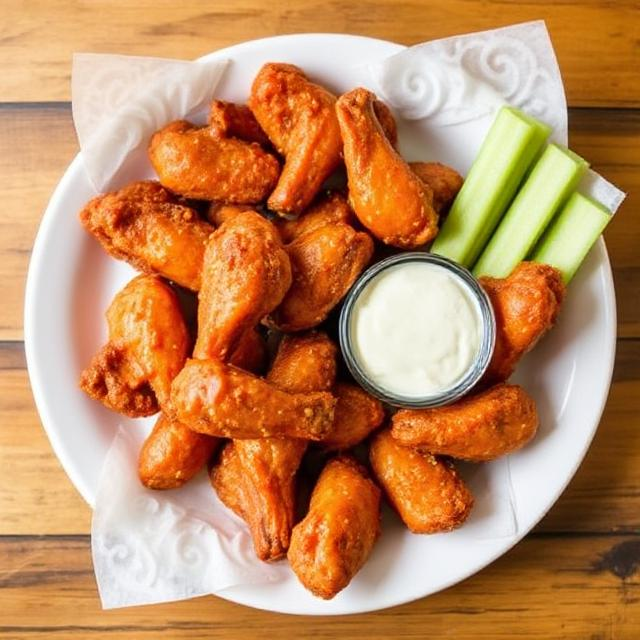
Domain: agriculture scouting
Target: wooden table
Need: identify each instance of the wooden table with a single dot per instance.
(575, 576)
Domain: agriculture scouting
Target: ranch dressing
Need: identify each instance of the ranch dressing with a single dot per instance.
(416, 329)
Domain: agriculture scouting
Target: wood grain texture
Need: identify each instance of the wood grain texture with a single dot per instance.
(596, 41)
(592, 581)
(38, 142)
(604, 496)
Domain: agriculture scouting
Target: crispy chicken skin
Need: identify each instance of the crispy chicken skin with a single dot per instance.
(388, 198)
(444, 182)
(198, 163)
(147, 347)
(357, 415)
(219, 212)
(246, 275)
(222, 400)
(478, 428)
(387, 121)
(230, 120)
(325, 263)
(148, 227)
(173, 454)
(526, 305)
(299, 118)
(427, 492)
(332, 543)
(256, 478)
(330, 208)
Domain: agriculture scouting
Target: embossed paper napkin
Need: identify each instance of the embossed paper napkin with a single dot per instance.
(159, 546)
(119, 101)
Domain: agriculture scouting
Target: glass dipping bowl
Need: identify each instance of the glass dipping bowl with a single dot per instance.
(459, 387)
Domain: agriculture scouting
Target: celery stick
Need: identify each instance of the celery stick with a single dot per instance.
(570, 236)
(550, 183)
(511, 145)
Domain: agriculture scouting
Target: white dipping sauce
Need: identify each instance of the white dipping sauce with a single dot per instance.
(415, 329)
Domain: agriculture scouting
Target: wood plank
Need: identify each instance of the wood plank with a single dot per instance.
(596, 41)
(38, 142)
(603, 497)
(590, 585)
(36, 145)
(40, 498)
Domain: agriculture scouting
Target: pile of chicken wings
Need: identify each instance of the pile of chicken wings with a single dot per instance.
(255, 390)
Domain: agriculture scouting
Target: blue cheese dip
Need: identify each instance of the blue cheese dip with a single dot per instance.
(416, 329)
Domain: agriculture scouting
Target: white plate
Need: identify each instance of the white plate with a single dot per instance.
(71, 282)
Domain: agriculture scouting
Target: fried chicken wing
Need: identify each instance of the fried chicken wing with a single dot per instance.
(230, 120)
(357, 415)
(221, 400)
(426, 491)
(148, 227)
(332, 543)
(325, 263)
(246, 275)
(198, 163)
(256, 478)
(526, 305)
(148, 344)
(444, 182)
(173, 454)
(331, 208)
(299, 118)
(478, 428)
(388, 198)
(304, 363)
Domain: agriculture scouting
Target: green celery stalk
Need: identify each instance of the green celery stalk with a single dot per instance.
(512, 144)
(553, 178)
(570, 236)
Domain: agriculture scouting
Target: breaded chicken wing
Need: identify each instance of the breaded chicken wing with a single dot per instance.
(332, 543)
(221, 400)
(388, 198)
(325, 263)
(526, 305)
(246, 275)
(478, 428)
(444, 182)
(299, 118)
(357, 415)
(256, 478)
(304, 363)
(230, 120)
(147, 347)
(148, 227)
(426, 491)
(172, 454)
(331, 208)
(198, 163)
